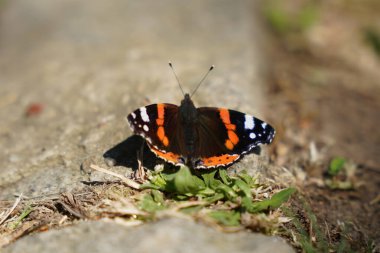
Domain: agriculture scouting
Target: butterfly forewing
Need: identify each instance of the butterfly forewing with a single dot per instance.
(224, 131)
(155, 123)
(211, 133)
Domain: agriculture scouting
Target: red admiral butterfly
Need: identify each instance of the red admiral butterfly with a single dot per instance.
(205, 137)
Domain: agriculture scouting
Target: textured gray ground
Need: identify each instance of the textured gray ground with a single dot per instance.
(168, 235)
(91, 63)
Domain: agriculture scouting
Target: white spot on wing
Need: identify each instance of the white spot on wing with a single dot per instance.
(133, 115)
(248, 122)
(146, 128)
(263, 124)
(252, 135)
(144, 115)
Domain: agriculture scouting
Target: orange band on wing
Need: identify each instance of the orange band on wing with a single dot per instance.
(169, 156)
(165, 141)
(229, 144)
(160, 111)
(225, 116)
(160, 123)
(219, 160)
(230, 127)
(160, 133)
(233, 139)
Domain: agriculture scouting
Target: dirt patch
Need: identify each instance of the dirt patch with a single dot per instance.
(324, 95)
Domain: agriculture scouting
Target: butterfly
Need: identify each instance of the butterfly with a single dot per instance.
(202, 138)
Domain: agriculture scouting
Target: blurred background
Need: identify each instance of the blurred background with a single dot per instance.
(333, 72)
(324, 92)
(71, 71)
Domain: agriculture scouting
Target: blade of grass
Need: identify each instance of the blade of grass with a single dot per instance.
(6, 215)
(274, 202)
(27, 210)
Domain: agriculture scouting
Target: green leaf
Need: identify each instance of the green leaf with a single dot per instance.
(244, 187)
(281, 197)
(181, 182)
(158, 197)
(186, 183)
(168, 176)
(191, 209)
(216, 197)
(209, 179)
(150, 186)
(246, 178)
(224, 176)
(226, 217)
(149, 204)
(157, 182)
(336, 165)
(228, 192)
(206, 192)
(274, 202)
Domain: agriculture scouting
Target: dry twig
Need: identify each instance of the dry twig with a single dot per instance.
(125, 180)
(11, 210)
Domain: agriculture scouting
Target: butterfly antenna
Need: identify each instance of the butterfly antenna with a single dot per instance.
(176, 77)
(201, 81)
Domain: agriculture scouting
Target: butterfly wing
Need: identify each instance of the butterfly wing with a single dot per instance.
(224, 135)
(157, 124)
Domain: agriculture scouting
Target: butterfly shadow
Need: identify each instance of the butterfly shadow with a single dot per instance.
(128, 152)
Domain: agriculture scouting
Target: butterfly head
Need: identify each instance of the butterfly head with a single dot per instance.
(186, 99)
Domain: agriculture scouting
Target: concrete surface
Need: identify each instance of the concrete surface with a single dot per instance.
(168, 235)
(88, 64)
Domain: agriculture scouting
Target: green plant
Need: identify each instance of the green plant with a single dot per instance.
(336, 165)
(229, 196)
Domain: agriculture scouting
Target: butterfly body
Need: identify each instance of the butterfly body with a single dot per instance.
(188, 120)
(202, 138)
